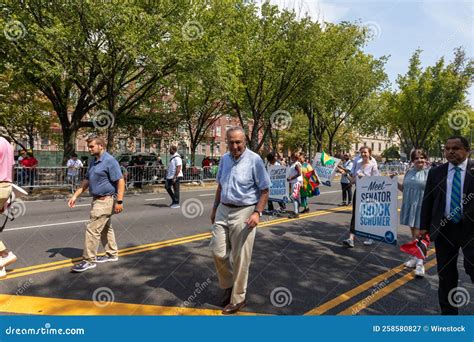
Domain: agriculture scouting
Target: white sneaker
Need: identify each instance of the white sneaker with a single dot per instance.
(369, 242)
(8, 260)
(420, 271)
(411, 263)
(3, 272)
(174, 206)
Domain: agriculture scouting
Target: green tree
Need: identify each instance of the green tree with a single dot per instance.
(427, 97)
(86, 56)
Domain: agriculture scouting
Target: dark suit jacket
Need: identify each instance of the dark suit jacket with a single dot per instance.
(434, 200)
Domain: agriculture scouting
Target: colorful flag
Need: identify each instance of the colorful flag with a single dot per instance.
(418, 248)
(326, 159)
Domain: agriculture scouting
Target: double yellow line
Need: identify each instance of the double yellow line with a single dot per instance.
(373, 297)
(40, 268)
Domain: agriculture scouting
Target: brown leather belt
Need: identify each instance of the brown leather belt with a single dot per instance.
(237, 206)
(101, 197)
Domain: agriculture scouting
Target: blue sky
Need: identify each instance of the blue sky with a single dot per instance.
(401, 26)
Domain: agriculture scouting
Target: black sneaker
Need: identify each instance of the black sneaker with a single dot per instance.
(106, 258)
(83, 266)
(293, 215)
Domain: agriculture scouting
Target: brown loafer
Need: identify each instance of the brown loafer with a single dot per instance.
(233, 308)
(226, 297)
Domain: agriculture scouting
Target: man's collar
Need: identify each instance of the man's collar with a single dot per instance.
(462, 166)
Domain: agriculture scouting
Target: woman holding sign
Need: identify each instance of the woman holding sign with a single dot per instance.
(366, 167)
(413, 188)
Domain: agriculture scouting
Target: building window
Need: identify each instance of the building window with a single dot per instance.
(218, 131)
(218, 149)
(138, 145)
(372, 146)
(357, 147)
(380, 147)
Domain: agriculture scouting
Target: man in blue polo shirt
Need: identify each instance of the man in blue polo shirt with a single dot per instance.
(104, 180)
(241, 196)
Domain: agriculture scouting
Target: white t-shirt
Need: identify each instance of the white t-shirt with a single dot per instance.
(73, 166)
(175, 161)
(294, 172)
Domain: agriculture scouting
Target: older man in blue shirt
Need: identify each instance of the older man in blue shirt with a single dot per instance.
(241, 196)
(104, 180)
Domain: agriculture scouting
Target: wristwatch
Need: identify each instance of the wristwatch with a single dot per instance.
(259, 212)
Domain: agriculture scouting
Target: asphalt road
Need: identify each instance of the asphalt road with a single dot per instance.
(165, 267)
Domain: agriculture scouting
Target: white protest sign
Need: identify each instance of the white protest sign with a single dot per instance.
(325, 167)
(376, 210)
(279, 190)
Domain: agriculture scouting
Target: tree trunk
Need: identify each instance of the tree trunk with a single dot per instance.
(111, 140)
(69, 142)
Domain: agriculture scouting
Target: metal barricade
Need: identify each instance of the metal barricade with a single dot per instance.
(135, 176)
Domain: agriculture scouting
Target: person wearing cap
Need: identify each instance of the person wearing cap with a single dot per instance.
(7, 162)
(241, 195)
(105, 182)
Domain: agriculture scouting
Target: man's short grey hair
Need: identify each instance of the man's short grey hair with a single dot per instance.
(235, 129)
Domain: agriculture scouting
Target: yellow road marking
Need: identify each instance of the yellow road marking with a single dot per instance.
(40, 268)
(56, 306)
(366, 302)
(357, 290)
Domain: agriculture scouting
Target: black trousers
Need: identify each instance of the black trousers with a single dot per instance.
(173, 189)
(451, 238)
(346, 192)
(352, 226)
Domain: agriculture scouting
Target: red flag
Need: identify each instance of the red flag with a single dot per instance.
(418, 248)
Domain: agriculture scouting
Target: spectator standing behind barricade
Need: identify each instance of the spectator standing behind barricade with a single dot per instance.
(105, 181)
(296, 181)
(30, 163)
(241, 196)
(139, 170)
(271, 159)
(366, 167)
(174, 175)
(447, 214)
(346, 184)
(74, 166)
(413, 188)
(7, 161)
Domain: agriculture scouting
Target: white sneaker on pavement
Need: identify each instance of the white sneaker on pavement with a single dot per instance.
(411, 263)
(420, 270)
(369, 242)
(9, 259)
(3, 272)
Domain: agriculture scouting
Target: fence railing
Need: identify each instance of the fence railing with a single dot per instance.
(135, 176)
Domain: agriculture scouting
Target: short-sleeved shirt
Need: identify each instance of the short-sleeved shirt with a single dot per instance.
(7, 160)
(242, 180)
(73, 166)
(103, 175)
(175, 161)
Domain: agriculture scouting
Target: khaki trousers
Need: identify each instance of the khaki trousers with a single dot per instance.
(231, 239)
(5, 192)
(99, 228)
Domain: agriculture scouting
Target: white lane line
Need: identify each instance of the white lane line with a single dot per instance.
(204, 195)
(154, 199)
(47, 225)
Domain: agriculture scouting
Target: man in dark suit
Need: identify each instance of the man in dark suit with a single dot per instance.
(447, 214)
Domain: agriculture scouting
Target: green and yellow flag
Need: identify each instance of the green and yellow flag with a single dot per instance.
(326, 160)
